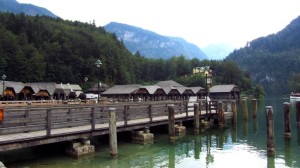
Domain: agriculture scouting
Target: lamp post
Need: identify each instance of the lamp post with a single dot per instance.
(86, 79)
(3, 83)
(98, 63)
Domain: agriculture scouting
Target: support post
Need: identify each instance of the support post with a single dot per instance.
(287, 125)
(254, 105)
(298, 113)
(220, 114)
(196, 118)
(171, 111)
(270, 131)
(234, 111)
(113, 132)
(245, 109)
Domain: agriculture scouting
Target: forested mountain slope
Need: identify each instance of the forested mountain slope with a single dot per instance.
(272, 61)
(45, 49)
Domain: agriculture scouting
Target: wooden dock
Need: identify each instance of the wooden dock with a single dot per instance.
(27, 126)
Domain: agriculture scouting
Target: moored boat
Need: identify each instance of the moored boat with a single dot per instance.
(295, 95)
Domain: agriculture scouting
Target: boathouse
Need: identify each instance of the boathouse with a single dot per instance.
(155, 93)
(46, 90)
(224, 92)
(170, 87)
(94, 89)
(200, 92)
(70, 91)
(122, 92)
(12, 90)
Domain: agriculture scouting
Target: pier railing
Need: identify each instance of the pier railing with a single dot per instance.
(26, 123)
(29, 119)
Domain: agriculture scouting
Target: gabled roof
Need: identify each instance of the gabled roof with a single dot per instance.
(48, 86)
(122, 89)
(152, 89)
(222, 88)
(183, 89)
(197, 89)
(168, 83)
(17, 86)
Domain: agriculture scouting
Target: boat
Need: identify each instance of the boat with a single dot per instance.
(295, 95)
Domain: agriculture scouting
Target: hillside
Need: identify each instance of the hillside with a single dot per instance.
(15, 7)
(153, 45)
(272, 60)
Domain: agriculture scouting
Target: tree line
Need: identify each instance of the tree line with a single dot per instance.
(45, 49)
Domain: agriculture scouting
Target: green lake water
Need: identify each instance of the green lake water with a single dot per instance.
(242, 145)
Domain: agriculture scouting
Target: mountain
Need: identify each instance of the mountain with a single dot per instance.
(150, 44)
(272, 61)
(16, 7)
(217, 51)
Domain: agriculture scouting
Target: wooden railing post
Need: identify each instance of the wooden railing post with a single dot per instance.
(270, 131)
(70, 117)
(49, 122)
(125, 115)
(171, 117)
(150, 113)
(26, 117)
(187, 109)
(93, 118)
(196, 119)
(287, 125)
(113, 132)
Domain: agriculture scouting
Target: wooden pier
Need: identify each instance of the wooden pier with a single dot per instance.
(27, 126)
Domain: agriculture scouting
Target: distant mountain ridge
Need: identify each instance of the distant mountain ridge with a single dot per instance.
(153, 45)
(16, 7)
(217, 51)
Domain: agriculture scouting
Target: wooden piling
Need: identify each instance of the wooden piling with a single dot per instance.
(234, 111)
(270, 131)
(298, 113)
(196, 119)
(254, 109)
(220, 114)
(113, 133)
(287, 125)
(245, 109)
(171, 118)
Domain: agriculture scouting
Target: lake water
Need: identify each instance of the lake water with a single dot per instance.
(242, 145)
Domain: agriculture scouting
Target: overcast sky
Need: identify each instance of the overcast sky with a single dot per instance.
(201, 22)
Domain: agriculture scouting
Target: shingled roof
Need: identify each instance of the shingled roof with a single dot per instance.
(152, 89)
(17, 86)
(122, 89)
(49, 86)
(197, 89)
(222, 88)
(168, 83)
